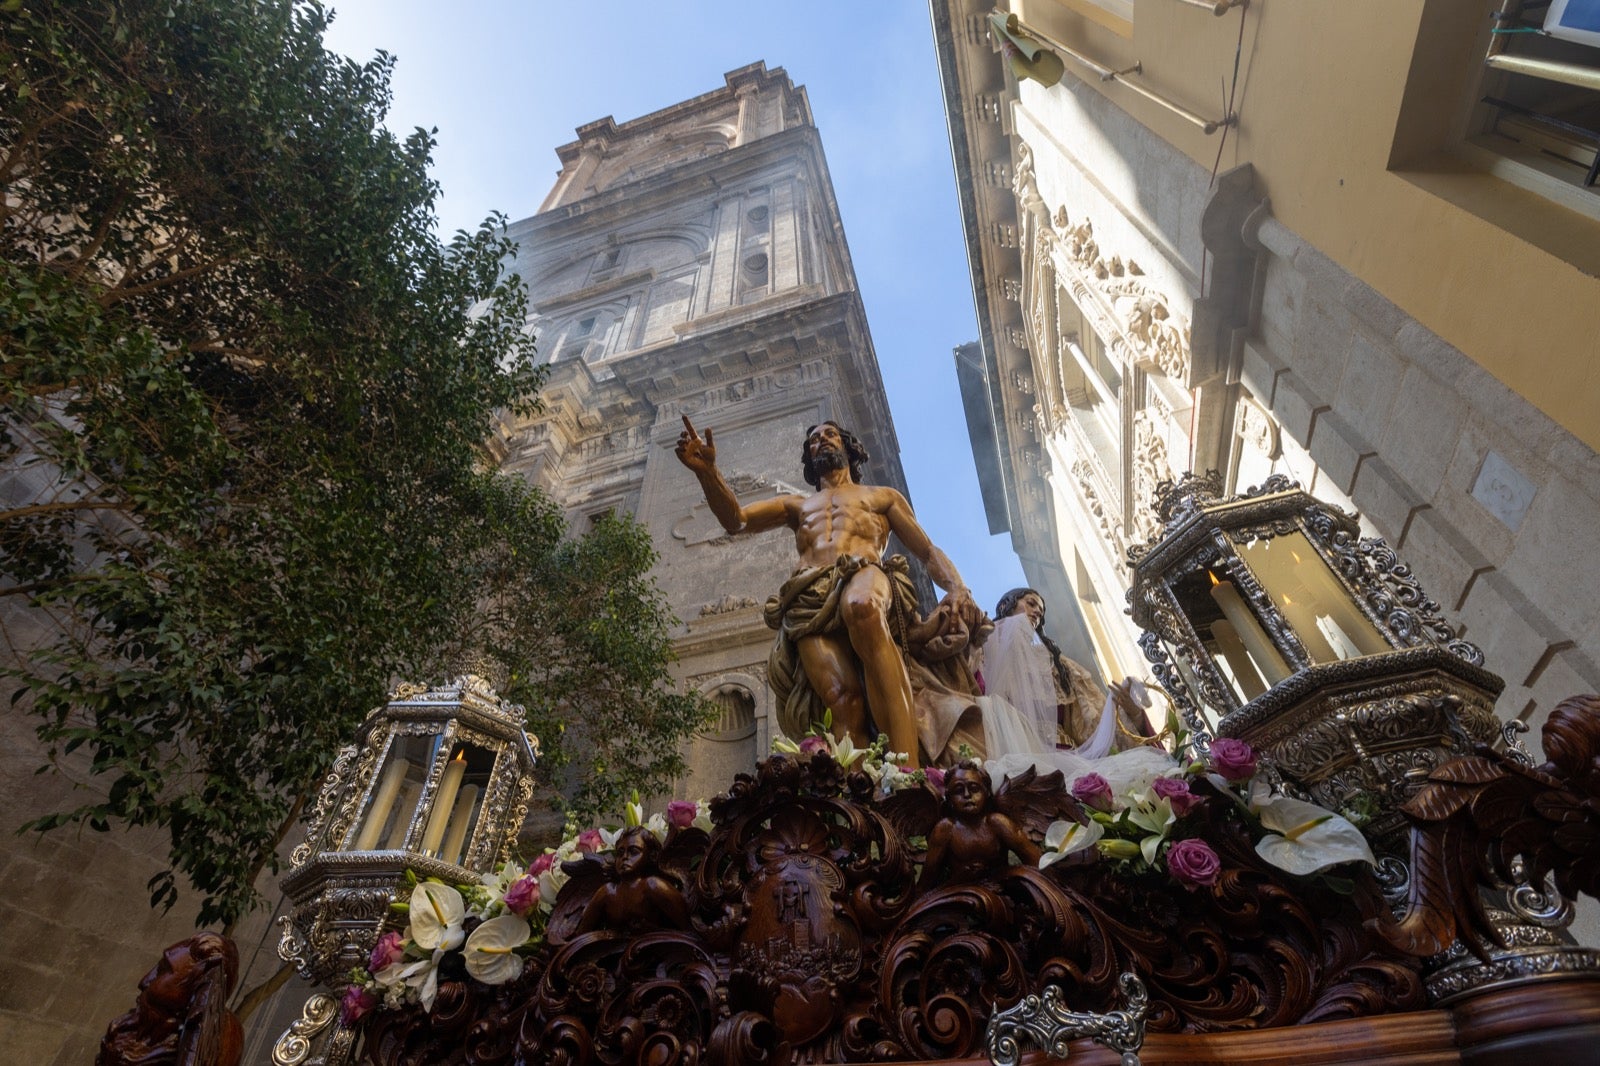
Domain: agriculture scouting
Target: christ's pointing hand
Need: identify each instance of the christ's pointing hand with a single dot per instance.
(696, 454)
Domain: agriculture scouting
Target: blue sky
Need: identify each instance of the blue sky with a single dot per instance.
(505, 83)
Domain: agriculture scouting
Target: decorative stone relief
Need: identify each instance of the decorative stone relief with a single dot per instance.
(1011, 289)
(726, 605)
(1083, 472)
(1255, 429)
(1023, 382)
(1148, 469)
(1139, 313)
(1503, 491)
(809, 372)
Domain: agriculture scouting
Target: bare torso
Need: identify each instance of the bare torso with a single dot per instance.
(848, 519)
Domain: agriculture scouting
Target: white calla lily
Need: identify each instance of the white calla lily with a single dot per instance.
(437, 912)
(491, 949)
(1064, 837)
(1303, 838)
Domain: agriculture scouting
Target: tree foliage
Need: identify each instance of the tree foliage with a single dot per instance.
(244, 390)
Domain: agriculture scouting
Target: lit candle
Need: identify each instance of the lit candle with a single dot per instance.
(443, 803)
(1238, 660)
(460, 821)
(1249, 631)
(382, 804)
(410, 792)
(1313, 586)
(1302, 618)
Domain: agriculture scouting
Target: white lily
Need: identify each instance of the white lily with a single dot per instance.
(491, 949)
(657, 824)
(1154, 815)
(437, 912)
(1304, 838)
(423, 977)
(550, 883)
(785, 745)
(1064, 837)
(502, 879)
(845, 752)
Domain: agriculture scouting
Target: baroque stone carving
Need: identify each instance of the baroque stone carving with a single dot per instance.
(726, 605)
(1255, 429)
(1084, 473)
(1148, 469)
(1124, 305)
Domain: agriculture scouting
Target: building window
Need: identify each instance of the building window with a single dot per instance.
(606, 266)
(1538, 107)
(576, 343)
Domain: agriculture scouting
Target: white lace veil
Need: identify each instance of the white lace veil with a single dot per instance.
(1017, 669)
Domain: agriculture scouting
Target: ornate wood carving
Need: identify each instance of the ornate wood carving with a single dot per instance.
(1480, 814)
(810, 937)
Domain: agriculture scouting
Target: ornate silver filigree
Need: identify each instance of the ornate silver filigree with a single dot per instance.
(1046, 1020)
(1511, 736)
(295, 1046)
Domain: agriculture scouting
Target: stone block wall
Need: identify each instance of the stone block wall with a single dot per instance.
(1492, 504)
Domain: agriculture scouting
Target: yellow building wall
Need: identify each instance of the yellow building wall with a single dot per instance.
(1348, 110)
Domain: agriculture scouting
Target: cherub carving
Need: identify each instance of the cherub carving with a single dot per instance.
(980, 827)
(181, 1017)
(640, 898)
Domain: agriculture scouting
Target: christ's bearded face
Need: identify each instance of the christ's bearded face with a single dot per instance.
(826, 447)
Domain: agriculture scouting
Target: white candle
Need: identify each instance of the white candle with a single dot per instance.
(410, 792)
(460, 821)
(382, 804)
(1238, 660)
(1244, 623)
(443, 803)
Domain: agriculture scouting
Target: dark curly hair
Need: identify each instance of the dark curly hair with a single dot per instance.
(854, 450)
(1008, 607)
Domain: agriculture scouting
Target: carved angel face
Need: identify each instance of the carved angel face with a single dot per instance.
(966, 790)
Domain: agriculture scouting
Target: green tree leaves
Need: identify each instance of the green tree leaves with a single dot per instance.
(244, 391)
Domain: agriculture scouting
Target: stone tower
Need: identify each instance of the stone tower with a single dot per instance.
(692, 262)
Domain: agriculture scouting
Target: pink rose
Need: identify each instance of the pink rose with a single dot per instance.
(521, 896)
(935, 777)
(589, 841)
(1175, 790)
(1192, 863)
(680, 813)
(1092, 790)
(356, 1004)
(542, 863)
(812, 745)
(390, 948)
(1233, 759)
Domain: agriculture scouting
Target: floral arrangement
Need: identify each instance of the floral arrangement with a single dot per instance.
(1147, 828)
(886, 769)
(489, 929)
(485, 930)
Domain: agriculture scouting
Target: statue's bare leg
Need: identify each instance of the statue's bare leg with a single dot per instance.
(864, 604)
(835, 677)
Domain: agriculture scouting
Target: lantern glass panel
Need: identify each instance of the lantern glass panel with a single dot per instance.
(1231, 633)
(1211, 715)
(1311, 598)
(458, 803)
(397, 789)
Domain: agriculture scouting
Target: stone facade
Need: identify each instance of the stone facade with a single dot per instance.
(692, 263)
(1142, 318)
(1146, 311)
